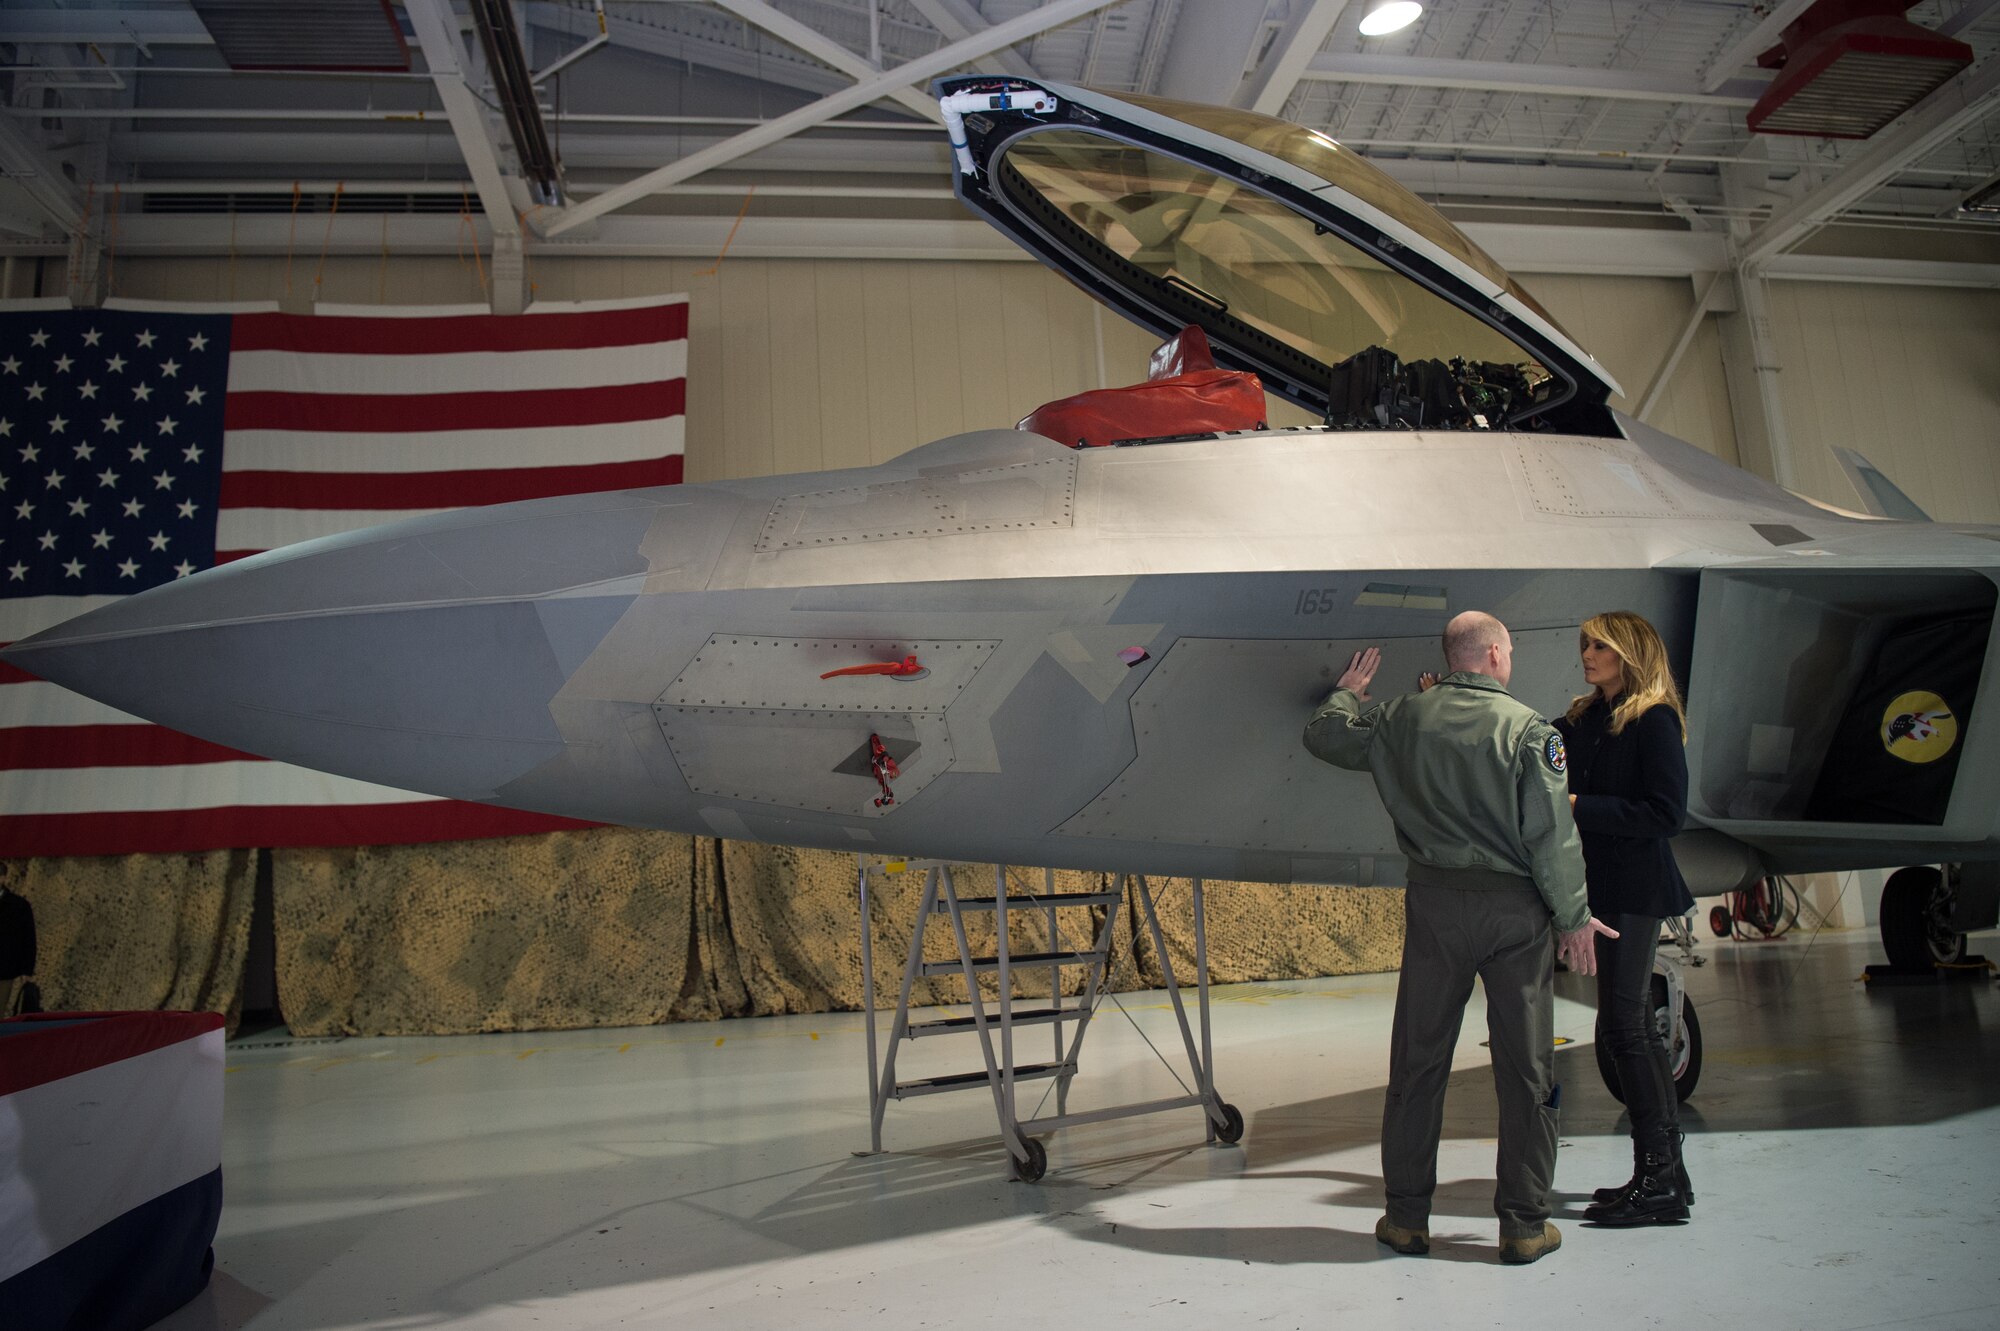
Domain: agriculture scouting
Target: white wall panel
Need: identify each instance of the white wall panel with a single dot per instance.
(1907, 376)
(1631, 324)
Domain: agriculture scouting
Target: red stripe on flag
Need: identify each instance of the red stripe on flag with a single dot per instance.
(28, 747)
(13, 674)
(365, 336)
(36, 1057)
(421, 413)
(438, 489)
(177, 831)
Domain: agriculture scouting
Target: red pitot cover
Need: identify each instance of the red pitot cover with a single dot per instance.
(1197, 403)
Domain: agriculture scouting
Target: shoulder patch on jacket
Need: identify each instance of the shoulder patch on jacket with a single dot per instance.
(1556, 754)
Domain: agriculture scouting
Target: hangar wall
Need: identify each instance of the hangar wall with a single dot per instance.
(1907, 376)
(816, 364)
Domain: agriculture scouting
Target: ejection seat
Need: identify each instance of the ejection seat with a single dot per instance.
(1184, 394)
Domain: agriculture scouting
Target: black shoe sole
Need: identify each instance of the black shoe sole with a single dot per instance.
(1670, 1215)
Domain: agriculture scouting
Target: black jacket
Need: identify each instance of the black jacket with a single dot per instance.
(1631, 799)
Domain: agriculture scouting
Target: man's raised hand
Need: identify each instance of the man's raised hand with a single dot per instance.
(1361, 671)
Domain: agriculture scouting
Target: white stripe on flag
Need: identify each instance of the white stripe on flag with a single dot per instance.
(32, 614)
(455, 372)
(190, 786)
(36, 703)
(269, 528)
(123, 1134)
(452, 450)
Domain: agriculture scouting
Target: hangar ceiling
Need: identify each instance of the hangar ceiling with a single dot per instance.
(665, 121)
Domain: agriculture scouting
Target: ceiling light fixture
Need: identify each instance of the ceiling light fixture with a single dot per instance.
(1387, 16)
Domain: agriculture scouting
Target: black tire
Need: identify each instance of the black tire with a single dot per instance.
(1916, 920)
(1230, 1130)
(1036, 1165)
(1718, 921)
(1683, 1064)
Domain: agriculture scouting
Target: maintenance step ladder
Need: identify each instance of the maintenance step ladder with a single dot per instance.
(1001, 1072)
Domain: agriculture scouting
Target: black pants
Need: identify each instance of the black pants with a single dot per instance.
(1625, 1027)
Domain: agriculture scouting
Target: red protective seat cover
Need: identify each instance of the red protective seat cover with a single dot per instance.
(1196, 403)
(1183, 353)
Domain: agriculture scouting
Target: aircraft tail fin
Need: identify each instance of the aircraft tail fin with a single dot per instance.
(1879, 494)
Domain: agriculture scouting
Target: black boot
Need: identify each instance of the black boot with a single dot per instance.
(1681, 1182)
(1605, 1196)
(1652, 1198)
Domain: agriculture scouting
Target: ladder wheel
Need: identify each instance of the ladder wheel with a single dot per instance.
(1036, 1165)
(1719, 922)
(1230, 1130)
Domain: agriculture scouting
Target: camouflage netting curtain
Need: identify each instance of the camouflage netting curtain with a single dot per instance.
(612, 927)
(619, 927)
(140, 932)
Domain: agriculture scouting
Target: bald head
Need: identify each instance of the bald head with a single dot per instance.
(1475, 640)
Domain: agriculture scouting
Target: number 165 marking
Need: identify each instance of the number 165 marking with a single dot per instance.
(1314, 601)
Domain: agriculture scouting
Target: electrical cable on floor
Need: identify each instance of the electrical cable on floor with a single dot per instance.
(1798, 904)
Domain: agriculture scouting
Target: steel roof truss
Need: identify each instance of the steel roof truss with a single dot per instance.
(437, 31)
(771, 131)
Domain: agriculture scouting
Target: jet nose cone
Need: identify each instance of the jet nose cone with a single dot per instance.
(421, 655)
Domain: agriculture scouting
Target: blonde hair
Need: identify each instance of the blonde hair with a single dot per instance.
(1643, 659)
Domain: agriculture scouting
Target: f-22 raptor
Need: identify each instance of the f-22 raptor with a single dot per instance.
(1006, 647)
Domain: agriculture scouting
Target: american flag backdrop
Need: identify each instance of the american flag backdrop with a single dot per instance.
(142, 445)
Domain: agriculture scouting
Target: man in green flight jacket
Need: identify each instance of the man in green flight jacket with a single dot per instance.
(1474, 782)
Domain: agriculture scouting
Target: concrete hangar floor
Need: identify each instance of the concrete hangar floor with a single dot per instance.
(1844, 1145)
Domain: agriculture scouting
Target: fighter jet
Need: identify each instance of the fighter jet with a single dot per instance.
(1010, 647)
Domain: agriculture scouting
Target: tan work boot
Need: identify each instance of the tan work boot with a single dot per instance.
(1519, 1252)
(1409, 1242)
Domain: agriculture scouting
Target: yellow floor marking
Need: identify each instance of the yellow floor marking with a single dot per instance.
(525, 1053)
(815, 1035)
(625, 1048)
(428, 1058)
(719, 1039)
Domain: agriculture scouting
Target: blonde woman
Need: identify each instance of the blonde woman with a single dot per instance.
(1628, 786)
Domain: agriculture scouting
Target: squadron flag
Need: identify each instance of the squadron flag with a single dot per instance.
(142, 445)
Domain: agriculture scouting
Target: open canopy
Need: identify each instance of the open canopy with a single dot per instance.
(1291, 252)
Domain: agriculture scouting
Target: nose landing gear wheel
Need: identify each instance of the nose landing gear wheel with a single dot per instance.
(1683, 1046)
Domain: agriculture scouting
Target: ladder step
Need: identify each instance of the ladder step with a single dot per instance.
(1027, 902)
(1041, 1016)
(966, 1081)
(1019, 959)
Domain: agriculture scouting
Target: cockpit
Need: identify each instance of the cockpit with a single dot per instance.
(1300, 261)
